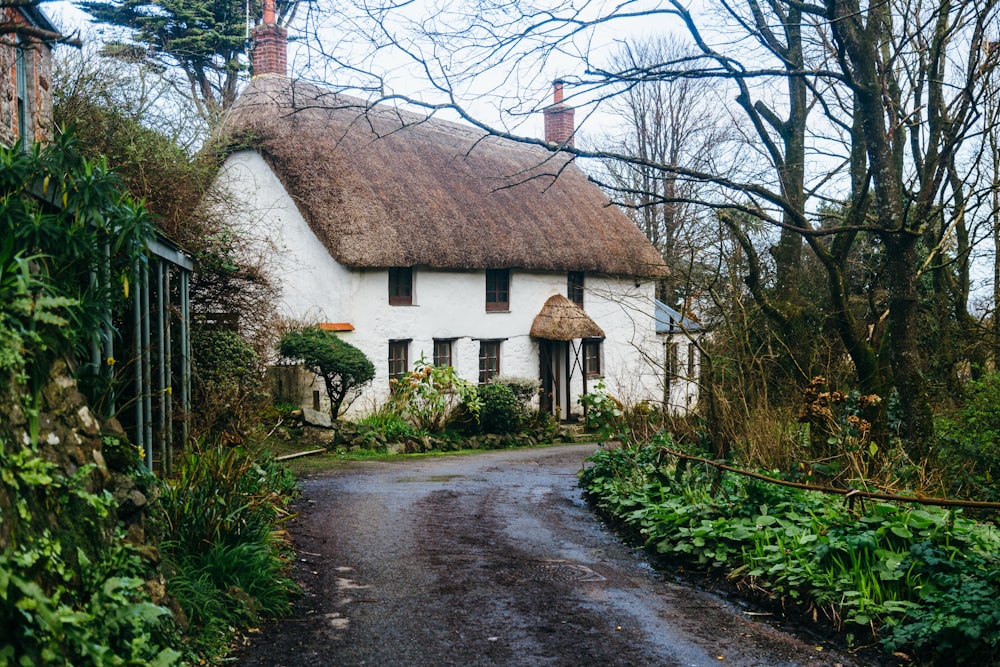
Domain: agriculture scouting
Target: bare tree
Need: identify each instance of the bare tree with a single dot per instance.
(869, 110)
(667, 122)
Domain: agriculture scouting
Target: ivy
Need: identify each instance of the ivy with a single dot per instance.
(71, 589)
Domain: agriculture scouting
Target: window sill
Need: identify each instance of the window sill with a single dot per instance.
(489, 312)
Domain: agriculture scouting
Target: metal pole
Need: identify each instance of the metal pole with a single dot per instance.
(95, 341)
(161, 374)
(168, 449)
(146, 397)
(109, 341)
(185, 356)
(140, 426)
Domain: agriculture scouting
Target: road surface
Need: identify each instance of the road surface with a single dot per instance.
(493, 559)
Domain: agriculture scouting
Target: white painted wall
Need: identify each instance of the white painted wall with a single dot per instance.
(684, 384)
(446, 304)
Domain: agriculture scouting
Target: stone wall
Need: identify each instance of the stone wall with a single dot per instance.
(71, 437)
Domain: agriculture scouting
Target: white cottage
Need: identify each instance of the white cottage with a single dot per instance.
(415, 237)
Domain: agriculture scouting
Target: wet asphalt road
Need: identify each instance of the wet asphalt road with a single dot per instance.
(493, 559)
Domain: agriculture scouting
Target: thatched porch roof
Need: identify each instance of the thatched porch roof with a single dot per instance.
(561, 319)
(382, 188)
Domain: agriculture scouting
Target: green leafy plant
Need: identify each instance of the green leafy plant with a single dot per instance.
(51, 251)
(344, 368)
(226, 553)
(501, 411)
(604, 414)
(72, 590)
(429, 396)
(919, 578)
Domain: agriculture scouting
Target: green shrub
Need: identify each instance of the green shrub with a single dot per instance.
(500, 411)
(72, 590)
(344, 368)
(223, 361)
(225, 552)
(227, 385)
(525, 389)
(969, 443)
(429, 397)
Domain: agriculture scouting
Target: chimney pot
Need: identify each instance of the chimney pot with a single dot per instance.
(559, 118)
(270, 51)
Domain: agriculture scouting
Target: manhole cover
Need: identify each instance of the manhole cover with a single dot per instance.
(553, 570)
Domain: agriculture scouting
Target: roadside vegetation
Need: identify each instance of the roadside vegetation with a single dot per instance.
(849, 346)
(915, 580)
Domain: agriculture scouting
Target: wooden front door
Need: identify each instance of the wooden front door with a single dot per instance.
(553, 358)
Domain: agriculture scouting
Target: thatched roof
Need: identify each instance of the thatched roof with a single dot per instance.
(561, 319)
(381, 188)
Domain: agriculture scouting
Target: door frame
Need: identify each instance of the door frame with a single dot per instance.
(554, 373)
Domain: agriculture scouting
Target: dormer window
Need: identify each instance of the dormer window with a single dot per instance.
(497, 290)
(574, 287)
(400, 286)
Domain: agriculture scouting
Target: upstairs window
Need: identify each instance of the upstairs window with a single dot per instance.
(592, 357)
(400, 286)
(497, 289)
(489, 360)
(398, 358)
(574, 287)
(442, 351)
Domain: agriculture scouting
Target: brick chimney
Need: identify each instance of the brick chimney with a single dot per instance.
(559, 118)
(270, 43)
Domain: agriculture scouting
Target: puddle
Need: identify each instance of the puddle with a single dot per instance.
(431, 478)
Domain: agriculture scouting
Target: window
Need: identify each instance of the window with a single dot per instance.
(574, 287)
(672, 360)
(497, 289)
(592, 357)
(692, 360)
(442, 351)
(489, 360)
(400, 286)
(23, 120)
(398, 362)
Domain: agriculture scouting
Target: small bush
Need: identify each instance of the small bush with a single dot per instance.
(969, 442)
(500, 411)
(429, 397)
(228, 385)
(226, 556)
(392, 427)
(525, 389)
(344, 368)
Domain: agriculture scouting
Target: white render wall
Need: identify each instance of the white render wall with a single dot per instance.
(446, 304)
